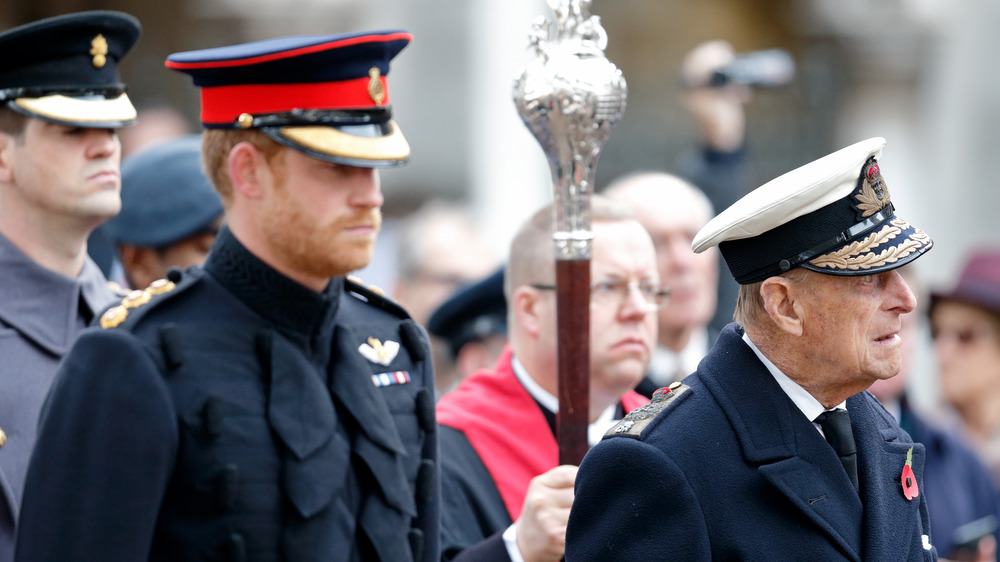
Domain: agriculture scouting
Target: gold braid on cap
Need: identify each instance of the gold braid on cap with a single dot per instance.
(853, 257)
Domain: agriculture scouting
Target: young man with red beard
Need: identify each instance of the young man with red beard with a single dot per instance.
(504, 496)
(264, 406)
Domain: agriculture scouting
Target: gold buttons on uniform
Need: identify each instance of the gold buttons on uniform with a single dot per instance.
(136, 298)
(114, 316)
(160, 286)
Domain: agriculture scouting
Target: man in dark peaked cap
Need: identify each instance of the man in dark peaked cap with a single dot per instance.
(263, 406)
(473, 322)
(170, 211)
(61, 102)
(773, 449)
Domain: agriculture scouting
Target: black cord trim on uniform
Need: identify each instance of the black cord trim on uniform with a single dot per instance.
(170, 343)
(426, 417)
(425, 481)
(413, 339)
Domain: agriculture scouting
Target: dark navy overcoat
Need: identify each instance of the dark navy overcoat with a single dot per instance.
(732, 470)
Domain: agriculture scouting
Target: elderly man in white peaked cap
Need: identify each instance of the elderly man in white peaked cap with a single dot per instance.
(772, 449)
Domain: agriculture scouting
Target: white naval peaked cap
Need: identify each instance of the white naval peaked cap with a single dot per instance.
(833, 216)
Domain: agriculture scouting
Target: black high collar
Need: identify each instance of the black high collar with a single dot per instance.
(293, 308)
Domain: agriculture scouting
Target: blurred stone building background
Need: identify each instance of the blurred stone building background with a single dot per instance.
(919, 72)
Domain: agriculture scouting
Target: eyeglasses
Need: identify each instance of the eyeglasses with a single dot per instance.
(963, 337)
(617, 291)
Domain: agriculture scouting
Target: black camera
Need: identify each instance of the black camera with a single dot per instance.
(761, 69)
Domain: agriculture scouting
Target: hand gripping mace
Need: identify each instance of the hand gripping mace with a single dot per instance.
(570, 96)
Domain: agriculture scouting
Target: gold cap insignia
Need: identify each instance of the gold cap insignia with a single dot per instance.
(99, 48)
(375, 87)
(378, 352)
(874, 194)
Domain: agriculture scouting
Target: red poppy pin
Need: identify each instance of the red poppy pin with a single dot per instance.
(908, 480)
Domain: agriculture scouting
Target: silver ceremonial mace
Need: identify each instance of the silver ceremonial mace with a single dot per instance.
(570, 96)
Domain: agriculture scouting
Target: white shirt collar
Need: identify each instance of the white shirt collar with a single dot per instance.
(595, 431)
(665, 363)
(805, 402)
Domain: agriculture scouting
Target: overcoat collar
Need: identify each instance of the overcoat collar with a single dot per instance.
(791, 454)
(44, 306)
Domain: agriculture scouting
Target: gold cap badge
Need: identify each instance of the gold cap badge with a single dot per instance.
(99, 48)
(375, 88)
(874, 193)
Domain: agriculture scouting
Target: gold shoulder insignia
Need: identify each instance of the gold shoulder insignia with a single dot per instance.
(116, 315)
(117, 289)
(639, 418)
(373, 288)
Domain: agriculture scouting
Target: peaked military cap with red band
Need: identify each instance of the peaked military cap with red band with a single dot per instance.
(833, 216)
(325, 95)
(65, 69)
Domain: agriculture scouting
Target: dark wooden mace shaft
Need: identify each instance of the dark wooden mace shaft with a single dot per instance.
(573, 313)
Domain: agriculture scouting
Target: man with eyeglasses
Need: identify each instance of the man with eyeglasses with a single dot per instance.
(504, 497)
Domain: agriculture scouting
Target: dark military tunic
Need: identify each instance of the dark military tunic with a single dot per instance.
(239, 416)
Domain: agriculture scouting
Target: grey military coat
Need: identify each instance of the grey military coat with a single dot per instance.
(40, 315)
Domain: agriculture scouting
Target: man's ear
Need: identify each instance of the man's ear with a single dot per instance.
(6, 165)
(247, 168)
(525, 303)
(782, 303)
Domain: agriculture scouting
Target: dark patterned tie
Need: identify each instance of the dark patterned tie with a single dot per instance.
(836, 426)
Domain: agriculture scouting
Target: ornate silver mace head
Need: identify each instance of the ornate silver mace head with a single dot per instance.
(570, 96)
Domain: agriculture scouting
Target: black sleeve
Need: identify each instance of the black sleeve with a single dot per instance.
(631, 500)
(473, 515)
(106, 444)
